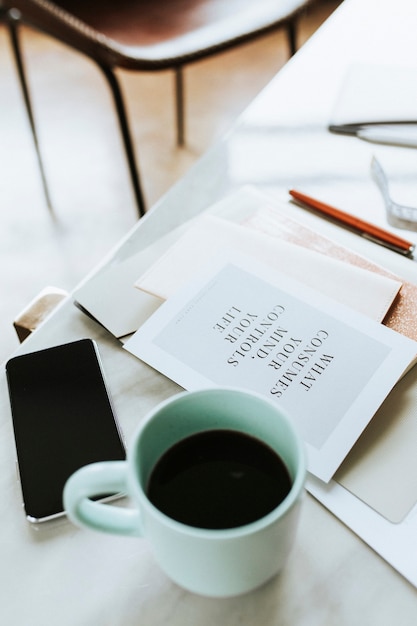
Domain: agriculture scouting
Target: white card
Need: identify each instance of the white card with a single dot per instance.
(241, 324)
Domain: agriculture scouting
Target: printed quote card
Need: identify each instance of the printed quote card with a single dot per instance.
(240, 324)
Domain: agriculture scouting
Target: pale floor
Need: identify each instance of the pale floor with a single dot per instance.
(86, 170)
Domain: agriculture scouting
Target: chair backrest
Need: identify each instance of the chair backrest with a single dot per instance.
(155, 34)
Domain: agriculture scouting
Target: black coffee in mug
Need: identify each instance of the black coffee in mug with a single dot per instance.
(218, 479)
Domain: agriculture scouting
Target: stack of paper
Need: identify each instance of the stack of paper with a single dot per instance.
(245, 295)
(246, 309)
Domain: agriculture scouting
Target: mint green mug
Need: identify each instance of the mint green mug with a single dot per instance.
(216, 561)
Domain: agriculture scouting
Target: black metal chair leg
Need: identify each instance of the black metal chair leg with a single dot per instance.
(179, 101)
(13, 20)
(292, 36)
(127, 139)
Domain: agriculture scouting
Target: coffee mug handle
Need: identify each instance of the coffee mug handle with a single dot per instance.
(95, 480)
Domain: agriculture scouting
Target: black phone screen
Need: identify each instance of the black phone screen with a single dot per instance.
(62, 418)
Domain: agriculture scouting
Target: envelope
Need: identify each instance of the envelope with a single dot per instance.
(364, 291)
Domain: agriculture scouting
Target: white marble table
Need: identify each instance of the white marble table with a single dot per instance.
(58, 574)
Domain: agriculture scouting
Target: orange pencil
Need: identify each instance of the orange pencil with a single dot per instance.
(366, 229)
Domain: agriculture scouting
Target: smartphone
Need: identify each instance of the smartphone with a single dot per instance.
(63, 419)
